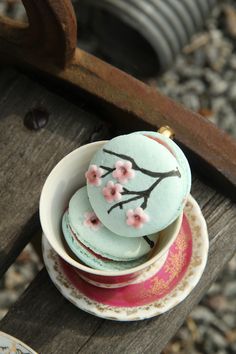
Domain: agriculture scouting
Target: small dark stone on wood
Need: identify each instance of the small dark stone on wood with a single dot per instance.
(36, 118)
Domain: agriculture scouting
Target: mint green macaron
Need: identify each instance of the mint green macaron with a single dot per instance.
(89, 257)
(136, 186)
(94, 235)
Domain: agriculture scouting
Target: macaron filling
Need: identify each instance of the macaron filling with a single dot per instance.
(92, 259)
(93, 234)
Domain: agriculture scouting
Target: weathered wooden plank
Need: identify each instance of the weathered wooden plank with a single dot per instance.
(27, 156)
(55, 321)
(51, 324)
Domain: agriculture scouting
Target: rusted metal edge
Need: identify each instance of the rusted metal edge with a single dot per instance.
(51, 31)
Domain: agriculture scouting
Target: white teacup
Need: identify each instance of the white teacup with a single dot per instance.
(63, 181)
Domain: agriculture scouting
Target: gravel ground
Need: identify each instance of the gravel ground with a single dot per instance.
(204, 76)
(203, 79)
(17, 278)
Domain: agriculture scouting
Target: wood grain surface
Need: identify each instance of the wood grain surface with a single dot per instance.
(50, 324)
(28, 156)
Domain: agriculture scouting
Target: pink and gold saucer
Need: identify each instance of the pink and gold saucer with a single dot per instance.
(153, 293)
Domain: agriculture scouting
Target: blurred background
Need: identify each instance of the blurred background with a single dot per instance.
(187, 50)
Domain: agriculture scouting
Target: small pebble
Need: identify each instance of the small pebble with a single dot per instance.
(232, 62)
(230, 319)
(191, 101)
(7, 297)
(14, 280)
(218, 87)
(232, 92)
(218, 303)
(195, 86)
(203, 314)
(230, 289)
(3, 312)
(219, 339)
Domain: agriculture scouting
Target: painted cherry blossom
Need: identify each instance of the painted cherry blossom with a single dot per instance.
(112, 192)
(123, 171)
(136, 218)
(93, 175)
(91, 220)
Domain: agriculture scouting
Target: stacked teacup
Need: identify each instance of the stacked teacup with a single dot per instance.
(112, 209)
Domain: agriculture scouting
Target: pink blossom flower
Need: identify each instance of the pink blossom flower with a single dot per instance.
(112, 192)
(123, 171)
(91, 220)
(136, 218)
(93, 175)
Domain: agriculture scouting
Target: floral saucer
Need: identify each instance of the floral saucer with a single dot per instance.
(11, 345)
(152, 295)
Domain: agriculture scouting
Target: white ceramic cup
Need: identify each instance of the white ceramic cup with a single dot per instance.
(63, 181)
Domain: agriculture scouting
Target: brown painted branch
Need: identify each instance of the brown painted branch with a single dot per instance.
(151, 243)
(121, 204)
(108, 169)
(145, 194)
(135, 165)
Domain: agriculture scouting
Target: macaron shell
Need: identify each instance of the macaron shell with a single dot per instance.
(101, 240)
(164, 202)
(178, 153)
(92, 260)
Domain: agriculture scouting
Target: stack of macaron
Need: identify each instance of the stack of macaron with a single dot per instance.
(137, 185)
